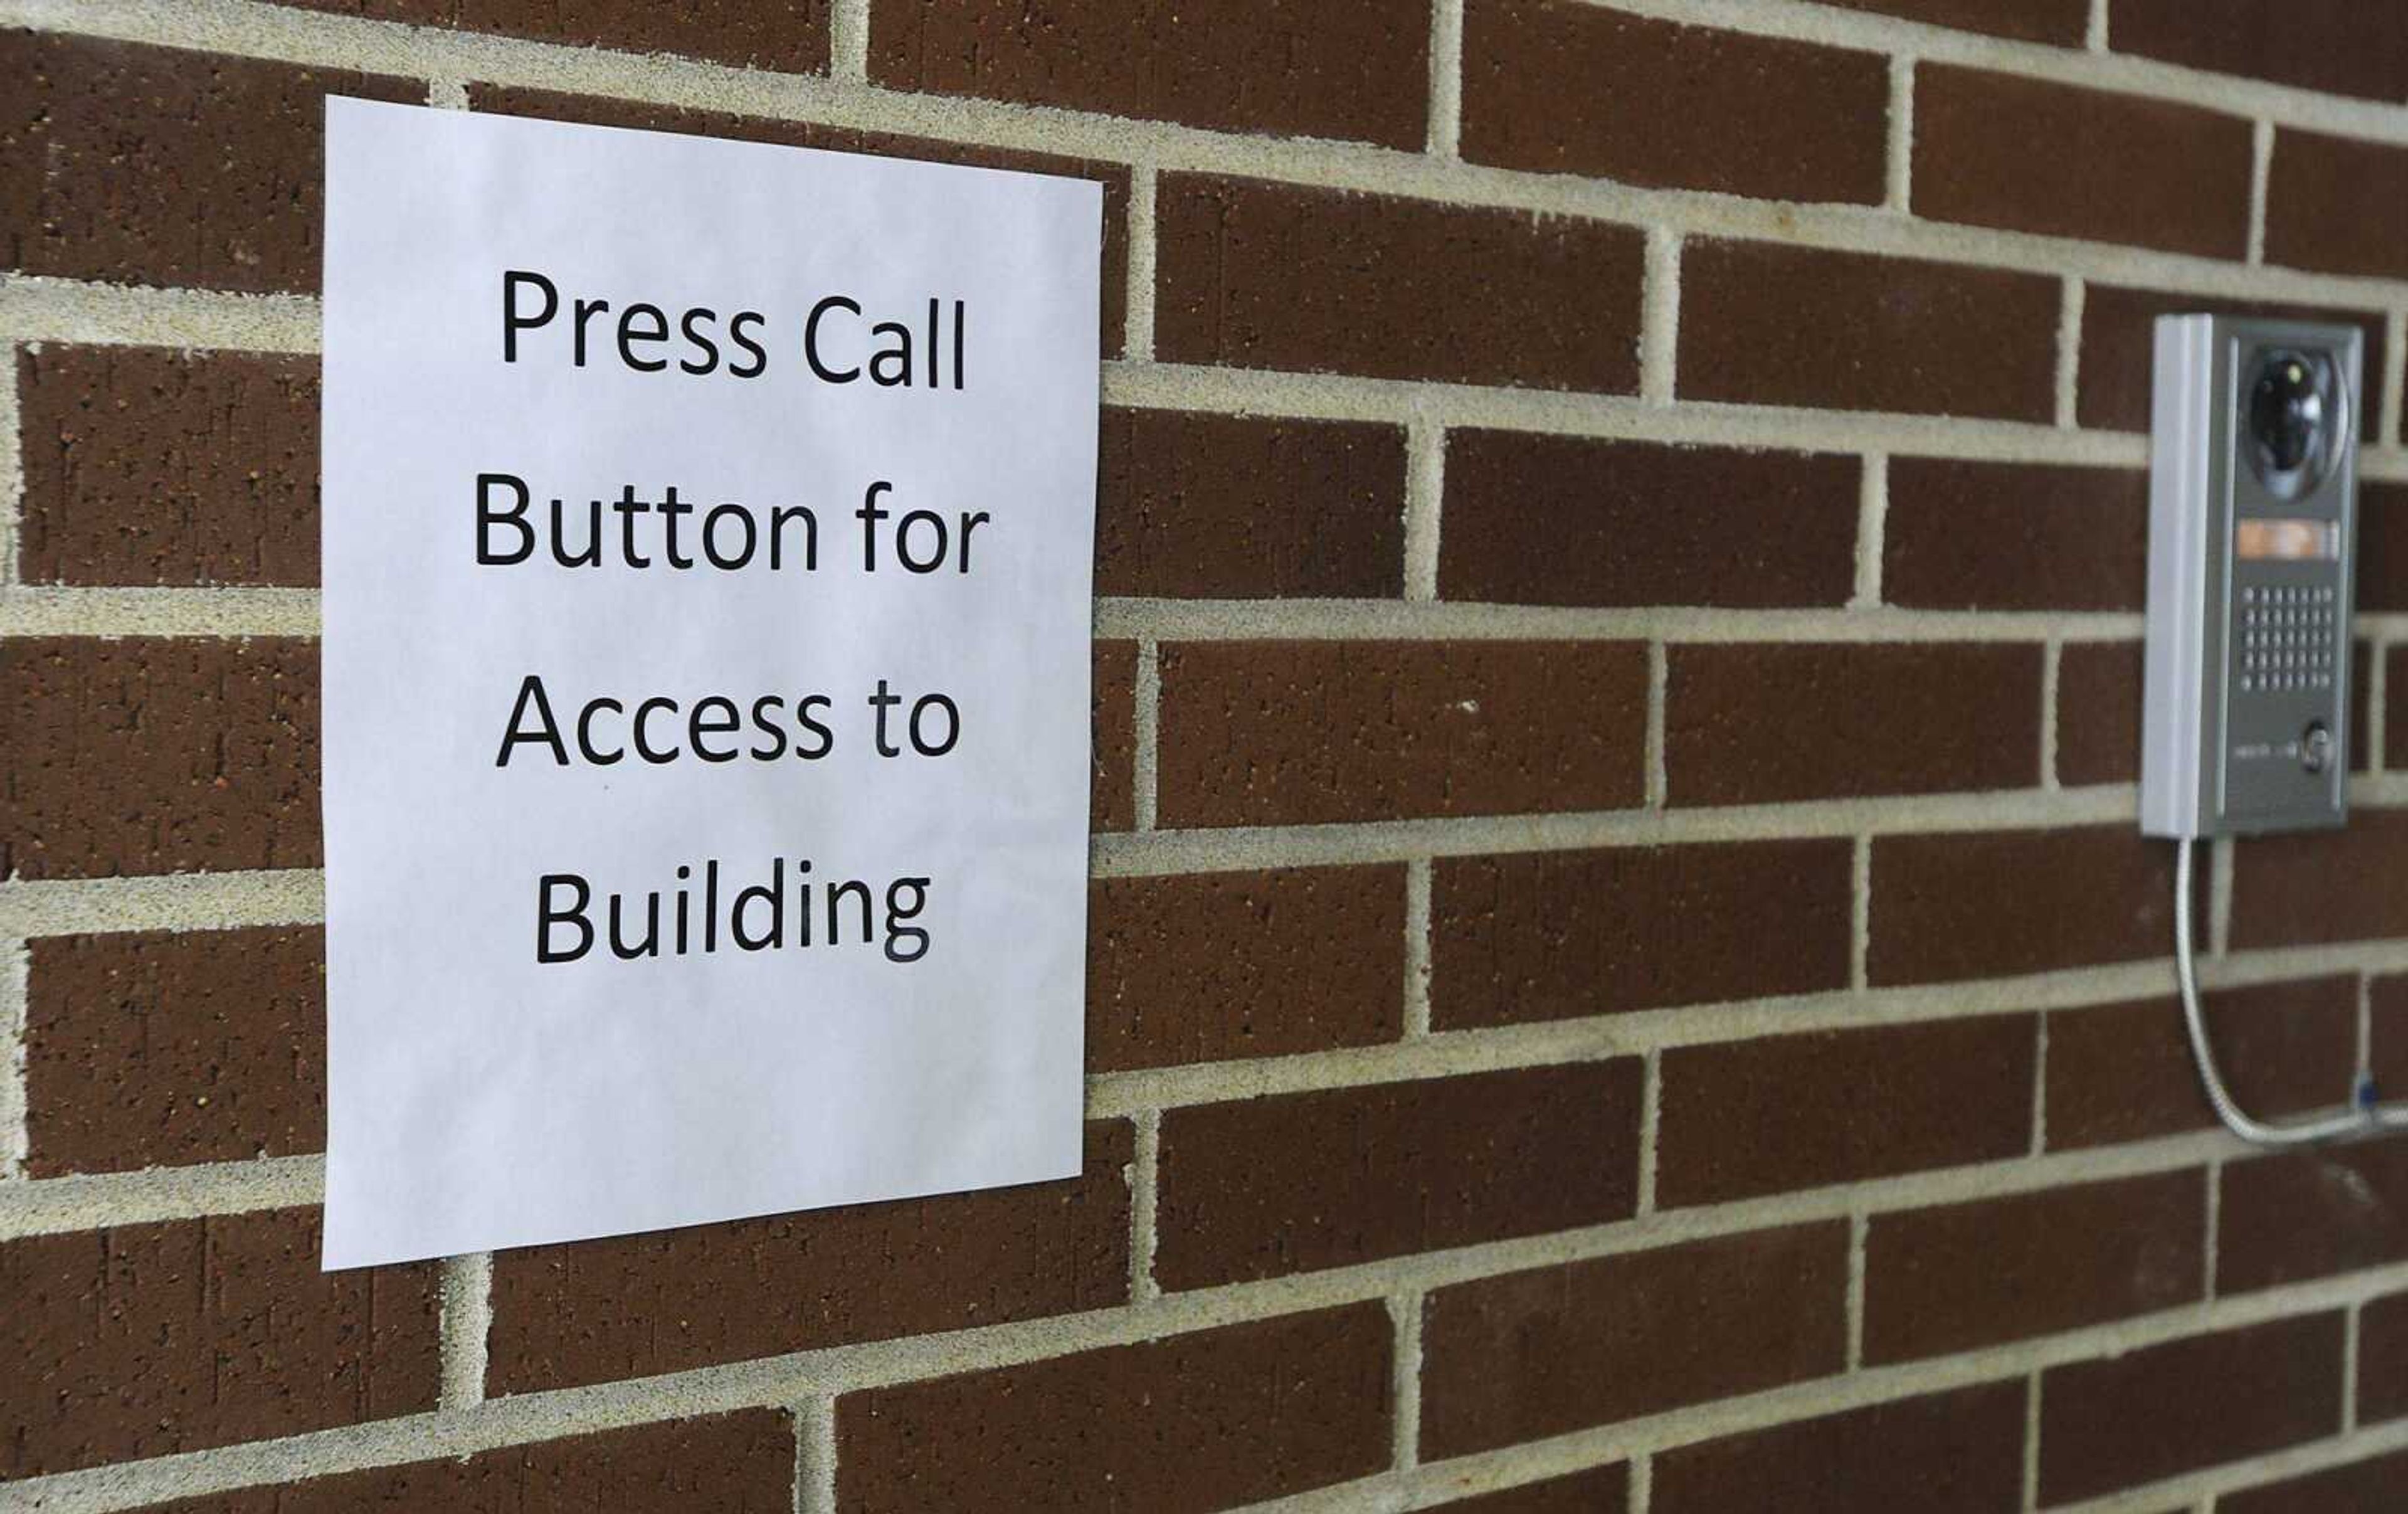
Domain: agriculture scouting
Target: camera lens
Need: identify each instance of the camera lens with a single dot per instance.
(2294, 408)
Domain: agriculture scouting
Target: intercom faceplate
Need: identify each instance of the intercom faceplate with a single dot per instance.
(2253, 537)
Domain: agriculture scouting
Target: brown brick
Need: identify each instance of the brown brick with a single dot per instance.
(2382, 1359)
(2382, 547)
(1996, 150)
(1957, 1276)
(1245, 65)
(1272, 276)
(2063, 21)
(1534, 519)
(2367, 1487)
(1224, 965)
(1601, 1489)
(1316, 732)
(2395, 736)
(2002, 535)
(589, 110)
(1395, 1168)
(2191, 1403)
(2362, 707)
(2341, 47)
(150, 166)
(1960, 1451)
(2387, 1034)
(1769, 325)
(1992, 903)
(153, 1049)
(2123, 1071)
(146, 466)
(1538, 1353)
(2119, 347)
(2337, 205)
(2099, 713)
(1556, 935)
(2322, 887)
(157, 755)
(2311, 1214)
(1112, 798)
(1752, 723)
(1197, 1421)
(1235, 507)
(1744, 1118)
(789, 35)
(1570, 87)
(741, 1463)
(638, 1306)
(144, 1340)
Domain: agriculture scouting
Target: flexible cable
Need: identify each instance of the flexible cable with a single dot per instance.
(2365, 1118)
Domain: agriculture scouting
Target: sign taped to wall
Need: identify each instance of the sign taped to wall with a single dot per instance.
(708, 531)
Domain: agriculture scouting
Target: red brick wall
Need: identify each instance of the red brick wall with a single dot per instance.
(1622, 973)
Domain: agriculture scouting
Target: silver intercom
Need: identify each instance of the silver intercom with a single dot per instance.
(2253, 537)
(2253, 543)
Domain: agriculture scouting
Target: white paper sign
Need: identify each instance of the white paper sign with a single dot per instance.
(708, 529)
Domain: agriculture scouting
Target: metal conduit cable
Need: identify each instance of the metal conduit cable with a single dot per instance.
(2364, 1117)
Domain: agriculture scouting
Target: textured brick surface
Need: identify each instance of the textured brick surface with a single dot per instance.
(1307, 732)
(2342, 47)
(1396, 1168)
(1960, 1451)
(1604, 1489)
(1265, 275)
(1555, 936)
(2123, 1071)
(2312, 1214)
(1248, 66)
(1955, 1278)
(1111, 802)
(2381, 546)
(2165, 1409)
(1243, 964)
(1538, 1353)
(145, 1340)
(1534, 519)
(2322, 887)
(1184, 1424)
(741, 1463)
(155, 1049)
(1744, 1118)
(2361, 708)
(2395, 733)
(2118, 347)
(2148, 172)
(1563, 87)
(155, 755)
(636, 1306)
(2367, 1487)
(1994, 903)
(2382, 1359)
(2000, 535)
(789, 35)
(2099, 712)
(146, 466)
(2337, 204)
(1231, 507)
(1770, 324)
(1753, 723)
(2030, 20)
(148, 166)
(2386, 1008)
(1113, 272)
